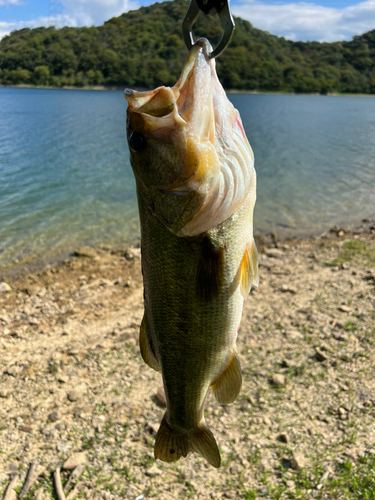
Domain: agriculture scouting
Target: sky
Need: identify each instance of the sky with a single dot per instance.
(321, 20)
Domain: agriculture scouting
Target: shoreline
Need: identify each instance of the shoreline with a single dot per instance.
(12, 271)
(141, 89)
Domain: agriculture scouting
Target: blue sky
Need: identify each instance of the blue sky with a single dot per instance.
(322, 20)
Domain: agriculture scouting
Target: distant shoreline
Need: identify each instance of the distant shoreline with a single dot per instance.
(141, 89)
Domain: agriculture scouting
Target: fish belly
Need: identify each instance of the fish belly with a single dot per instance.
(193, 340)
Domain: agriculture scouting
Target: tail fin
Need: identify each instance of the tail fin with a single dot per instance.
(170, 445)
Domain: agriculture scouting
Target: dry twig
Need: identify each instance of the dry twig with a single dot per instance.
(10, 494)
(29, 479)
(58, 486)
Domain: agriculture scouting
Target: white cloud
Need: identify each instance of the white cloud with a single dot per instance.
(10, 2)
(95, 12)
(7, 27)
(75, 13)
(309, 21)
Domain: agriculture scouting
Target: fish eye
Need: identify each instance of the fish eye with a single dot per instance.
(137, 142)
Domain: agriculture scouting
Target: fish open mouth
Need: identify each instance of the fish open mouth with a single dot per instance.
(186, 102)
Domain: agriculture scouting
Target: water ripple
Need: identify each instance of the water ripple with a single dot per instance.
(66, 180)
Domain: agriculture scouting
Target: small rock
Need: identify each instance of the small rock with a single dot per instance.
(288, 363)
(290, 484)
(320, 355)
(235, 469)
(298, 461)
(53, 416)
(278, 380)
(4, 287)
(293, 335)
(63, 447)
(118, 281)
(283, 438)
(13, 370)
(153, 471)
(275, 253)
(89, 252)
(63, 379)
(267, 421)
(287, 288)
(4, 393)
(344, 308)
(74, 395)
(230, 494)
(25, 428)
(75, 460)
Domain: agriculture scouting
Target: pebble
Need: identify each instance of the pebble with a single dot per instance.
(63, 447)
(345, 309)
(293, 335)
(86, 252)
(53, 416)
(235, 469)
(4, 393)
(74, 395)
(283, 438)
(75, 460)
(4, 287)
(153, 471)
(290, 484)
(298, 461)
(320, 355)
(275, 253)
(278, 380)
(287, 288)
(267, 420)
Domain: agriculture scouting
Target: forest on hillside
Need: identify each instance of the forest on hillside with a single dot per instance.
(144, 48)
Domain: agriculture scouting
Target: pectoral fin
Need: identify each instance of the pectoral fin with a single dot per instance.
(210, 270)
(146, 351)
(249, 269)
(228, 385)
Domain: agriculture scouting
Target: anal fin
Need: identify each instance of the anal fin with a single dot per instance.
(146, 351)
(228, 385)
(249, 269)
(171, 444)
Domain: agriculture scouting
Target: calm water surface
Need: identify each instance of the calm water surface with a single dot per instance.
(66, 180)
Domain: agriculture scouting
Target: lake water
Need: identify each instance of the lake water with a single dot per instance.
(66, 180)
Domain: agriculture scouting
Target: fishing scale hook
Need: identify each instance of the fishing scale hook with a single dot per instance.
(209, 7)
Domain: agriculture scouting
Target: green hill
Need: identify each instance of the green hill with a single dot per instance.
(144, 48)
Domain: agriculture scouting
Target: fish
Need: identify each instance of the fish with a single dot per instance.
(196, 190)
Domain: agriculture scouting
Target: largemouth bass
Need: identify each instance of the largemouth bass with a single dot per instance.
(195, 177)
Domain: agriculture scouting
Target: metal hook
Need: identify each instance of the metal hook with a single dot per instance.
(208, 7)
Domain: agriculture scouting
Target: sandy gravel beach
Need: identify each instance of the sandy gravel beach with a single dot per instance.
(75, 394)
